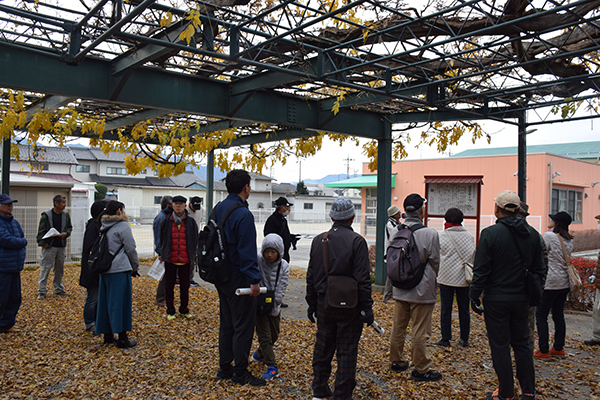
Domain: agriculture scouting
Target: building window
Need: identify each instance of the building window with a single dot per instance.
(570, 201)
(116, 171)
(39, 166)
(308, 206)
(155, 173)
(157, 199)
(82, 168)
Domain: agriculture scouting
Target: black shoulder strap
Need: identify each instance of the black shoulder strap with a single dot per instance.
(415, 227)
(229, 211)
(325, 240)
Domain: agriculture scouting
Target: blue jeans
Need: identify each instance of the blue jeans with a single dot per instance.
(464, 314)
(89, 308)
(552, 300)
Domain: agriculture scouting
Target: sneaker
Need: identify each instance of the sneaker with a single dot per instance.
(463, 343)
(41, 296)
(429, 376)
(256, 358)
(284, 305)
(171, 317)
(591, 342)
(247, 378)
(161, 303)
(109, 339)
(271, 373)
(126, 343)
(63, 294)
(188, 315)
(194, 284)
(557, 353)
(399, 367)
(224, 373)
(527, 396)
(443, 343)
(496, 396)
(539, 354)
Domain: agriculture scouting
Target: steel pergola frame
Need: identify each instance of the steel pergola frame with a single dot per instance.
(235, 64)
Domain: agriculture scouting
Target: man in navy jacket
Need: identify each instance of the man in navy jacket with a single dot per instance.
(12, 253)
(238, 313)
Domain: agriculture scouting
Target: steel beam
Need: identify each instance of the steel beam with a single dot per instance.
(49, 103)
(522, 157)
(133, 118)
(384, 199)
(21, 69)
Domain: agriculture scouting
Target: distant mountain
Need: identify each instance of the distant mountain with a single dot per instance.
(330, 178)
(201, 172)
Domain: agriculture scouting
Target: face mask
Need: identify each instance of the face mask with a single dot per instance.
(287, 212)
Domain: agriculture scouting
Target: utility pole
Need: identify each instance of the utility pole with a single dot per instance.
(348, 166)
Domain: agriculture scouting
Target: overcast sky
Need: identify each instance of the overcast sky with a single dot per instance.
(331, 159)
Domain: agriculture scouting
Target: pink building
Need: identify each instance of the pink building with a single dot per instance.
(561, 177)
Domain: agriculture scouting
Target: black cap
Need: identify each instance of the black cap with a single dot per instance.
(413, 202)
(282, 201)
(179, 198)
(562, 219)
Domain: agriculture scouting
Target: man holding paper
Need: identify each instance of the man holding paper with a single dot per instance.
(54, 228)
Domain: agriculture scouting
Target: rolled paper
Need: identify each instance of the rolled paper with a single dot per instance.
(246, 291)
(378, 328)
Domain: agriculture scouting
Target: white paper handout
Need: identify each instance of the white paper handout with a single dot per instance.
(157, 270)
(51, 233)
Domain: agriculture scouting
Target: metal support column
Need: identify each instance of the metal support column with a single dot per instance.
(210, 182)
(522, 157)
(384, 199)
(5, 189)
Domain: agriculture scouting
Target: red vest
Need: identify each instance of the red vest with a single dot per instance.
(179, 253)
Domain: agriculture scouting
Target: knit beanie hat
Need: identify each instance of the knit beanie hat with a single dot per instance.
(341, 209)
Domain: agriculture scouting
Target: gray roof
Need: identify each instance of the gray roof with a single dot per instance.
(128, 181)
(95, 154)
(187, 179)
(44, 154)
(260, 177)
(573, 150)
(287, 188)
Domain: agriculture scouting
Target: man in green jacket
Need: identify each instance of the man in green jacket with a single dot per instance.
(53, 247)
(499, 272)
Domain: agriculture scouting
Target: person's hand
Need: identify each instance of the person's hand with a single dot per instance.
(254, 290)
(367, 317)
(160, 258)
(312, 314)
(476, 306)
(135, 274)
(45, 246)
(63, 235)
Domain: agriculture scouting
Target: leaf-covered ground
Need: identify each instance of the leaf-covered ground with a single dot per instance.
(54, 357)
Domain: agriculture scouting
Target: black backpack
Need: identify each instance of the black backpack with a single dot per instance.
(100, 259)
(213, 261)
(404, 265)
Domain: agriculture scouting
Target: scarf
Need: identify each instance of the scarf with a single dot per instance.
(177, 219)
(450, 225)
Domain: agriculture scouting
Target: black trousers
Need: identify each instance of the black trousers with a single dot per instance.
(337, 333)
(237, 317)
(508, 326)
(552, 300)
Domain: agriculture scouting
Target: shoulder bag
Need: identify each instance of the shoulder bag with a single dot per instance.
(266, 301)
(574, 278)
(533, 283)
(342, 290)
(467, 265)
